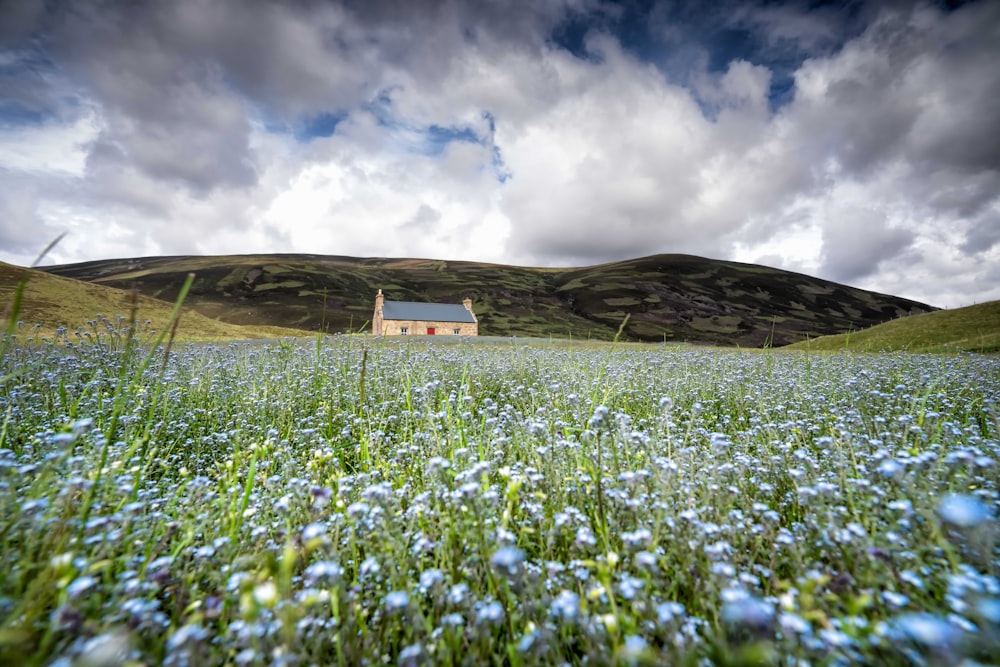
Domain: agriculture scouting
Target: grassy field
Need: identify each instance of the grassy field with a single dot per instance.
(973, 329)
(336, 501)
(60, 306)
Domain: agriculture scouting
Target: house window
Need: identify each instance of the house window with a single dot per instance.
(403, 331)
(456, 331)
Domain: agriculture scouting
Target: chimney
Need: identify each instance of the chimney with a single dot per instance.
(467, 302)
(378, 324)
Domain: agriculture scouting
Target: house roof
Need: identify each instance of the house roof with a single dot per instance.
(430, 312)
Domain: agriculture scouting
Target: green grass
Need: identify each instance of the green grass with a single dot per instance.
(973, 329)
(51, 302)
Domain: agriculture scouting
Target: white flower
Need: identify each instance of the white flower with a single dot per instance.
(265, 594)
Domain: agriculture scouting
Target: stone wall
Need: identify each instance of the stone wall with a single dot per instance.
(395, 327)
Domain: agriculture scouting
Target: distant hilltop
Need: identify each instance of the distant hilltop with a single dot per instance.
(673, 298)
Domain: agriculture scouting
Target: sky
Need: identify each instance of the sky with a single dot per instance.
(855, 141)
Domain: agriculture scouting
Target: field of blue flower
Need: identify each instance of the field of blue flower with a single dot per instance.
(350, 501)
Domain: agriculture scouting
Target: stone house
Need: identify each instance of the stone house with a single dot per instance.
(410, 318)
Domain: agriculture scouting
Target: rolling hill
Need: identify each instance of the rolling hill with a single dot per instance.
(973, 329)
(667, 297)
(53, 301)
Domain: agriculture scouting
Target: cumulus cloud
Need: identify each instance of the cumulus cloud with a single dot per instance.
(861, 144)
(19, 216)
(857, 239)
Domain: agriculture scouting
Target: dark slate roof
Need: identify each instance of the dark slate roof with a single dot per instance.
(429, 312)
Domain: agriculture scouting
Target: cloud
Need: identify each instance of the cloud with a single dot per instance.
(859, 143)
(629, 164)
(20, 19)
(19, 220)
(424, 219)
(164, 113)
(52, 147)
(857, 239)
(914, 85)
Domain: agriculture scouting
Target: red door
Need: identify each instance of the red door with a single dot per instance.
(430, 331)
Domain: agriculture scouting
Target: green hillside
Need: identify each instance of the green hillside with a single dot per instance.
(676, 298)
(974, 329)
(52, 301)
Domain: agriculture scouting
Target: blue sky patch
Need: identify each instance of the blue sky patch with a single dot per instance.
(438, 137)
(318, 126)
(13, 115)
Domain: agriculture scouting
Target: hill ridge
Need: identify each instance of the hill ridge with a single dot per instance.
(667, 297)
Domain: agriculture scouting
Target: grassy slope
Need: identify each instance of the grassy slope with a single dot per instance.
(676, 298)
(53, 301)
(974, 328)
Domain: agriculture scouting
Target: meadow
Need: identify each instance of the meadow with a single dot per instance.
(353, 501)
